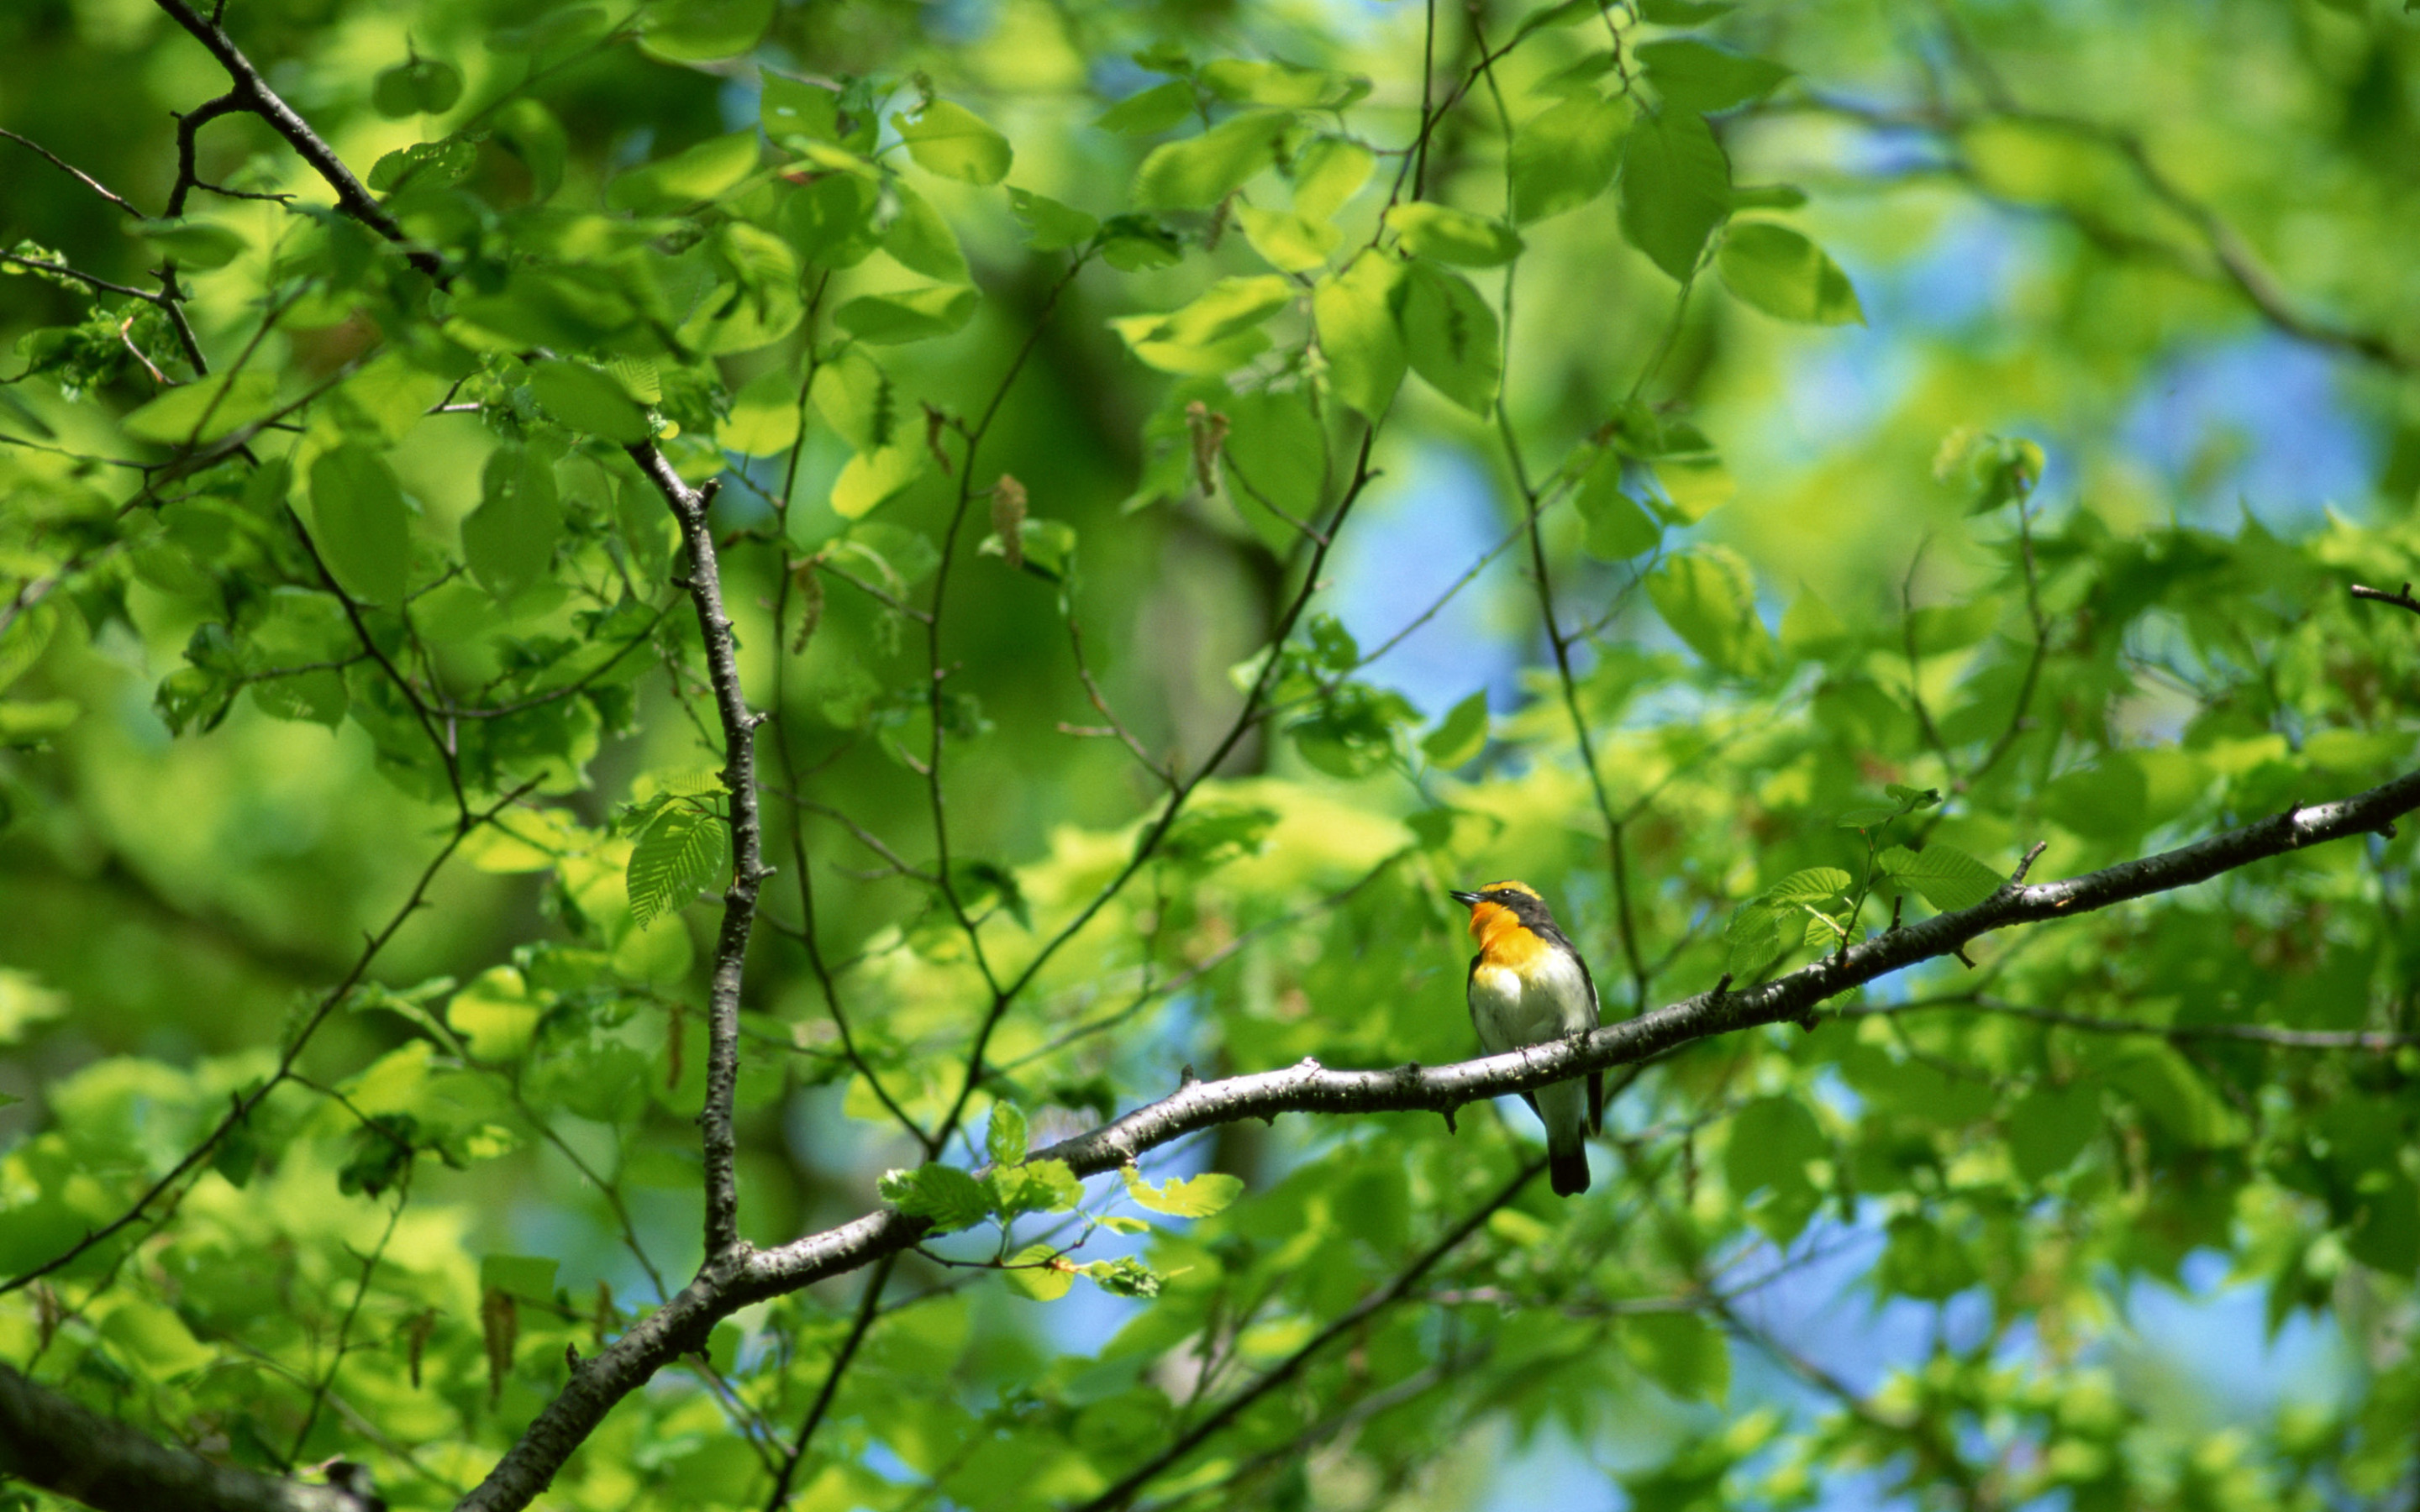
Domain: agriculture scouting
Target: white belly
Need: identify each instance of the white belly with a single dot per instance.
(1508, 1014)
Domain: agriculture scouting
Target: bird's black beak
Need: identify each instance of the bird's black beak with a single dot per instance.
(1465, 898)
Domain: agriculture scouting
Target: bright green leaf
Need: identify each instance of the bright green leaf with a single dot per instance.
(1787, 276)
(1675, 188)
(954, 141)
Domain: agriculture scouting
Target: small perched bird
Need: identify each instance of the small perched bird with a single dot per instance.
(1528, 986)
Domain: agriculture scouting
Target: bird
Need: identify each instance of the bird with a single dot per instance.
(1527, 985)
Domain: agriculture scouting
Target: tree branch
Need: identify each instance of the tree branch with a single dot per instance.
(251, 93)
(61, 1447)
(748, 869)
(735, 1279)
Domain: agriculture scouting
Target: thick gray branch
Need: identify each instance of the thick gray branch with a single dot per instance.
(739, 1276)
(748, 870)
(63, 1447)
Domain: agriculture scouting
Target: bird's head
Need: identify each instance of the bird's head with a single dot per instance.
(1497, 904)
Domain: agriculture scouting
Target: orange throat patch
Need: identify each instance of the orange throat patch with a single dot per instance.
(1504, 940)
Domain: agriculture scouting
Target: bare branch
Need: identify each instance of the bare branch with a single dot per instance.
(49, 1442)
(251, 93)
(66, 167)
(748, 869)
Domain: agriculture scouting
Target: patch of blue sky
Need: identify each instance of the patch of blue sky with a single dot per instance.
(2259, 422)
(2213, 1335)
(1406, 546)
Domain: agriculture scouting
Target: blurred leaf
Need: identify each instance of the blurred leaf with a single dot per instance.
(1460, 736)
(422, 86)
(1692, 75)
(1354, 311)
(702, 31)
(1198, 171)
(1787, 276)
(363, 531)
(1149, 112)
(1453, 236)
(954, 143)
(1675, 188)
(1199, 1197)
(1565, 156)
(1450, 337)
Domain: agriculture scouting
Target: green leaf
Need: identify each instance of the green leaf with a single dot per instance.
(1038, 1273)
(508, 541)
(1453, 236)
(1050, 226)
(1460, 736)
(1693, 487)
(830, 221)
(198, 244)
(1948, 877)
(1150, 112)
(701, 31)
(856, 398)
(1815, 883)
(1037, 1186)
(1565, 156)
(27, 722)
(422, 86)
(1705, 595)
(795, 107)
(1923, 1261)
(764, 418)
(1680, 1353)
(1240, 82)
(2050, 1126)
(1207, 836)
(694, 177)
(1200, 171)
(496, 1015)
(947, 1196)
(1204, 1194)
(206, 409)
(1354, 312)
(954, 141)
(1005, 1138)
(1450, 337)
(1787, 276)
(1327, 173)
(587, 400)
(873, 479)
(1618, 528)
(1692, 75)
(908, 315)
(1214, 333)
(446, 162)
(530, 1276)
(1125, 1276)
(682, 852)
(359, 523)
(1289, 242)
(1675, 188)
(568, 27)
(1772, 1139)
(921, 241)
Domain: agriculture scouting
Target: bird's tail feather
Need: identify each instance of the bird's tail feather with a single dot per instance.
(1567, 1169)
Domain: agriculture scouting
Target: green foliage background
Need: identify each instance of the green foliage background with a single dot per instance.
(1790, 564)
